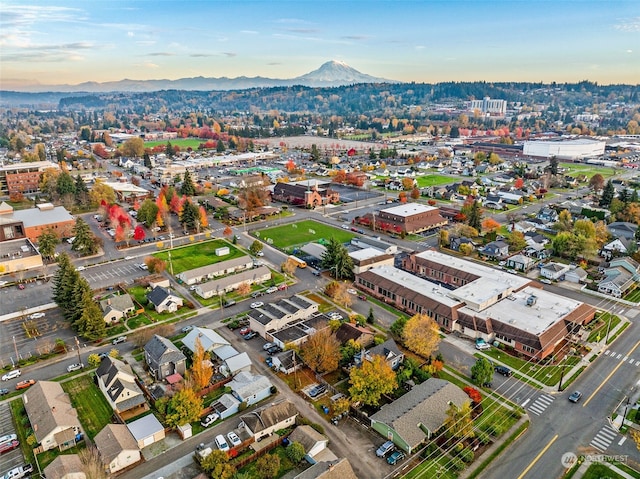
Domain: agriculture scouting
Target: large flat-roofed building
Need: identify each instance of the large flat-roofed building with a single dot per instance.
(576, 149)
(489, 106)
(273, 317)
(32, 222)
(367, 258)
(128, 192)
(227, 284)
(23, 177)
(479, 302)
(407, 218)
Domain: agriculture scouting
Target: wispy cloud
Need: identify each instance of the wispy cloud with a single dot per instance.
(49, 53)
(229, 54)
(149, 65)
(161, 54)
(302, 30)
(285, 36)
(628, 25)
(249, 32)
(356, 37)
(201, 55)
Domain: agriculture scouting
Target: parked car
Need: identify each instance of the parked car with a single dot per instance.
(193, 287)
(221, 443)
(11, 375)
(384, 449)
(260, 253)
(575, 396)
(257, 304)
(257, 294)
(250, 335)
(345, 227)
(269, 361)
(8, 438)
(352, 291)
(315, 272)
(25, 384)
(362, 297)
(335, 316)
(103, 355)
(228, 302)
(18, 472)
(4, 392)
(20, 286)
(266, 346)
(272, 289)
(186, 329)
(396, 457)
(74, 367)
(210, 419)
(119, 339)
(36, 316)
(9, 446)
(482, 345)
(318, 390)
(234, 439)
(282, 287)
(245, 330)
(505, 371)
(142, 266)
(274, 349)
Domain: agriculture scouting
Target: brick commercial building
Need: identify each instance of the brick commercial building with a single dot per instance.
(23, 177)
(479, 302)
(32, 222)
(303, 194)
(408, 218)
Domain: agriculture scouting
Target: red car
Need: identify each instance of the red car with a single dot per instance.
(245, 330)
(9, 446)
(20, 286)
(25, 384)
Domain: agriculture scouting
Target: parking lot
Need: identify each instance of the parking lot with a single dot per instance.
(352, 195)
(120, 271)
(9, 459)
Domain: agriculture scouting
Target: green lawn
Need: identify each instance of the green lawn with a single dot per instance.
(183, 143)
(197, 255)
(603, 323)
(598, 471)
(287, 237)
(439, 467)
(576, 169)
(633, 296)
(93, 409)
(434, 180)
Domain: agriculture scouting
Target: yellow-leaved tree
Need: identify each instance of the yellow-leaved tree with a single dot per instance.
(371, 380)
(321, 352)
(201, 370)
(421, 335)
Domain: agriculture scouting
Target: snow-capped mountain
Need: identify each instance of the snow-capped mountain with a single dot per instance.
(332, 73)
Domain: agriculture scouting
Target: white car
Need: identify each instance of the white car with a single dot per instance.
(257, 304)
(352, 291)
(11, 375)
(346, 227)
(335, 315)
(81, 268)
(234, 439)
(118, 340)
(272, 289)
(129, 257)
(267, 346)
(209, 420)
(221, 442)
(186, 329)
(192, 287)
(74, 367)
(259, 253)
(142, 266)
(37, 316)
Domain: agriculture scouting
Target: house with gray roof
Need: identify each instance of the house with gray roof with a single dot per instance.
(164, 300)
(236, 364)
(215, 270)
(164, 358)
(520, 262)
(388, 350)
(279, 314)
(250, 388)
(146, 430)
(334, 469)
(53, 420)
(622, 275)
(312, 441)
(209, 339)
(287, 361)
(118, 384)
(65, 466)
(231, 282)
(117, 447)
(554, 271)
(415, 417)
(116, 307)
(622, 229)
(495, 249)
(264, 421)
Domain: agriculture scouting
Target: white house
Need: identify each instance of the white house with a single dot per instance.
(117, 447)
(264, 421)
(250, 388)
(554, 271)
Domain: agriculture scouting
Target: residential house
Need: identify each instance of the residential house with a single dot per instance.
(215, 270)
(146, 430)
(209, 339)
(333, 469)
(53, 420)
(164, 358)
(618, 247)
(554, 271)
(623, 229)
(312, 441)
(65, 466)
(622, 275)
(358, 334)
(287, 362)
(280, 314)
(388, 350)
(250, 388)
(264, 421)
(522, 227)
(236, 364)
(548, 215)
(118, 383)
(457, 241)
(495, 249)
(416, 416)
(520, 262)
(117, 447)
(116, 307)
(164, 300)
(220, 286)
(576, 275)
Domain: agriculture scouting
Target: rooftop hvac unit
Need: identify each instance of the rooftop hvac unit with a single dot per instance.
(531, 300)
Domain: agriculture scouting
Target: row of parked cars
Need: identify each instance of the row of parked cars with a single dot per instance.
(389, 447)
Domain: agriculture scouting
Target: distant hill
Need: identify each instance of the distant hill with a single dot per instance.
(330, 74)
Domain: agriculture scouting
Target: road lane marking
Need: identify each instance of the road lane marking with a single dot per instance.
(618, 356)
(606, 353)
(537, 458)
(624, 438)
(526, 402)
(584, 404)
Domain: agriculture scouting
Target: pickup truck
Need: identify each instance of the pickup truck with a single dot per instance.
(18, 472)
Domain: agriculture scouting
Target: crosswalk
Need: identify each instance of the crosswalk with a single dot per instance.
(540, 404)
(621, 357)
(604, 438)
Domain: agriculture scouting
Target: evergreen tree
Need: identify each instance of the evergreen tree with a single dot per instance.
(90, 324)
(371, 318)
(336, 259)
(62, 281)
(475, 216)
(190, 217)
(623, 196)
(634, 196)
(85, 241)
(315, 153)
(82, 192)
(187, 188)
(607, 194)
(220, 147)
(65, 184)
(47, 243)
(75, 308)
(147, 161)
(168, 150)
(553, 165)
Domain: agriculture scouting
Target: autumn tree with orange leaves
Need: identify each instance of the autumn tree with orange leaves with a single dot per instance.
(321, 352)
(201, 371)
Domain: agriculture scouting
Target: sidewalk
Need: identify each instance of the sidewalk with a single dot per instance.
(585, 465)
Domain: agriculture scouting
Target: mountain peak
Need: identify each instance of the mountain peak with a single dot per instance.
(335, 73)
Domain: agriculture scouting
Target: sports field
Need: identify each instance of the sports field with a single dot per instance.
(197, 255)
(575, 169)
(288, 237)
(434, 180)
(183, 143)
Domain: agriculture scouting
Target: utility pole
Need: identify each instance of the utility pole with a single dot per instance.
(78, 348)
(15, 346)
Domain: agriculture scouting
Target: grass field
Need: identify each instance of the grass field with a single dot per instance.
(287, 237)
(183, 143)
(588, 170)
(93, 410)
(434, 180)
(197, 255)
(633, 296)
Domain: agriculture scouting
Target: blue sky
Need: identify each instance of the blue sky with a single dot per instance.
(71, 42)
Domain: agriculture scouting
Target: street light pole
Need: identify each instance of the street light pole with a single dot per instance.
(562, 374)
